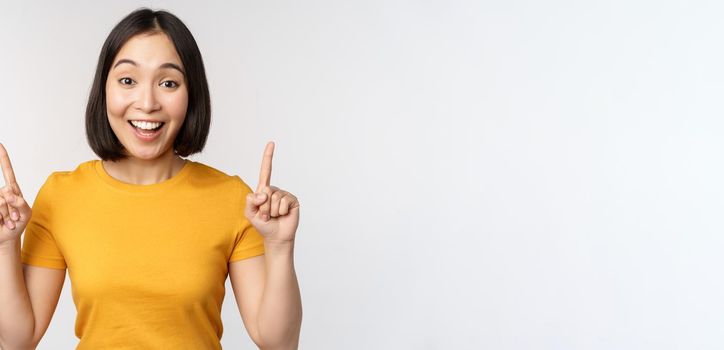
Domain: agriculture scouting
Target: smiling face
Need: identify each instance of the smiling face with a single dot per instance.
(146, 86)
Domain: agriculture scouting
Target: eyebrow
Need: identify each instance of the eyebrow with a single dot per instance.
(165, 65)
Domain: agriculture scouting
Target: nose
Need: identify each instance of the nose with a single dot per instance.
(147, 101)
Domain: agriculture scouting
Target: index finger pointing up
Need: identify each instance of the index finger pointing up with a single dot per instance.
(266, 167)
(7, 168)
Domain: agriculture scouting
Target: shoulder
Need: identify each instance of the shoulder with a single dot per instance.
(204, 175)
(70, 178)
(63, 181)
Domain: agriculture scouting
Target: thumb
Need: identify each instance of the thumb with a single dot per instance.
(20, 207)
(253, 201)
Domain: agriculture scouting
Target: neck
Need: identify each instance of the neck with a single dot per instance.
(138, 171)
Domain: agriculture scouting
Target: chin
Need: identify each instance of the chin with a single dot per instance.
(145, 154)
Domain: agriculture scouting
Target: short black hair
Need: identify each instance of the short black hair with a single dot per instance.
(192, 135)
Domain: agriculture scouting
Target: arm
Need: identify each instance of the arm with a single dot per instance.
(266, 287)
(28, 298)
(280, 311)
(268, 297)
(28, 294)
(16, 315)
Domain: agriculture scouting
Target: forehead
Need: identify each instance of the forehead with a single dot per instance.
(148, 50)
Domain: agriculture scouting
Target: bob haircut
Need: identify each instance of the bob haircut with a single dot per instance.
(192, 135)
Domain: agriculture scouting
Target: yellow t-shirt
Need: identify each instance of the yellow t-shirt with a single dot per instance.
(147, 263)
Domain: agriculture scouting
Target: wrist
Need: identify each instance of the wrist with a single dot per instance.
(11, 244)
(278, 247)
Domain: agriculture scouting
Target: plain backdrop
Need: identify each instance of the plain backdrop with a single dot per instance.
(472, 174)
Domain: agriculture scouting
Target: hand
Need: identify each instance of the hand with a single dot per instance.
(272, 211)
(14, 210)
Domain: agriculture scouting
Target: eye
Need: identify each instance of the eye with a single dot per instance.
(173, 84)
(125, 79)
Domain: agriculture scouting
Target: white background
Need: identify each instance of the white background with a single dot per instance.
(472, 175)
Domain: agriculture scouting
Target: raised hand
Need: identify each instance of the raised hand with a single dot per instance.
(272, 211)
(14, 210)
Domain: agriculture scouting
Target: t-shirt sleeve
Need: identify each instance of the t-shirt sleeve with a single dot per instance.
(248, 242)
(39, 247)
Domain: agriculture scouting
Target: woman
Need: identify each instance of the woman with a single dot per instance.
(147, 236)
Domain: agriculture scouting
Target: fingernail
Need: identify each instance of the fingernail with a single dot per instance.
(265, 217)
(14, 215)
(9, 224)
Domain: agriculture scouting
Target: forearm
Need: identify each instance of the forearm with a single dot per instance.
(280, 313)
(16, 314)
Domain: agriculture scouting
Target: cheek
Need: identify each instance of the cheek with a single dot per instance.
(116, 103)
(176, 105)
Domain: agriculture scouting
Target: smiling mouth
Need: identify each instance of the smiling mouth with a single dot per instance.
(146, 127)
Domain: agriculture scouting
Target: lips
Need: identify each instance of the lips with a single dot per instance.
(146, 124)
(146, 135)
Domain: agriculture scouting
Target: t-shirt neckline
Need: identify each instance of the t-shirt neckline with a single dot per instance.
(141, 189)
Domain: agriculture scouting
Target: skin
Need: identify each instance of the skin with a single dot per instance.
(276, 219)
(265, 287)
(146, 91)
(14, 210)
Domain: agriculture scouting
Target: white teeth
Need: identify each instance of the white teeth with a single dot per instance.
(145, 125)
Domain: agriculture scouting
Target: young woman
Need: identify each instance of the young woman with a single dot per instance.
(147, 236)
